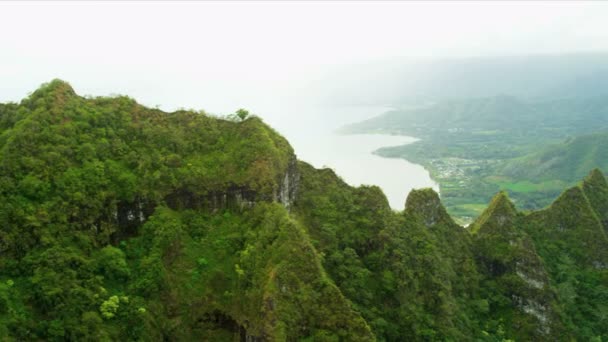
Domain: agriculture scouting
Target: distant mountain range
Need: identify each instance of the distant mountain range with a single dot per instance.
(548, 118)
(406, 82)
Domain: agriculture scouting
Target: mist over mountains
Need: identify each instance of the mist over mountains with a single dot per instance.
(416, 82)
(304, 171)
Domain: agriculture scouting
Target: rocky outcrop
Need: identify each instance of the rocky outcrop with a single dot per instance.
(425, 203)
(239, 197)
(129, 215)
(507, 256)
(288, 189)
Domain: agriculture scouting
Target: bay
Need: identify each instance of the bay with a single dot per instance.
(312, 133)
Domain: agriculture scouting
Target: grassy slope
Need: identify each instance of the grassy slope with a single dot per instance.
(567, 161)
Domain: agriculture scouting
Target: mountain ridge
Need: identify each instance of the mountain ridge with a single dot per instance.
(121, 222)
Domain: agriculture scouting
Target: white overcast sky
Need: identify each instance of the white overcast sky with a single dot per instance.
(221, 55)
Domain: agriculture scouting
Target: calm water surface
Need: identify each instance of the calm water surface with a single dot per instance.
(311, 131)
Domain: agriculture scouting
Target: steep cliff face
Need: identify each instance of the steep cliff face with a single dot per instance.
(237, 197)
(452, 279)
(254, 276)
(570, 238)
(507, 258)
(288, 187)
(572, 221)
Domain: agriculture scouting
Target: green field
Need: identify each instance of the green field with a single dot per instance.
(527, 186)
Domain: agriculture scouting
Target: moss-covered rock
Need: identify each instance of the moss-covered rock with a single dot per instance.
(516, 284)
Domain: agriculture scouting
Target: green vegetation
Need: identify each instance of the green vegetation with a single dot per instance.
(120, 222)
(515, 282)
(126, 223)
(477, 147)
(572, 242)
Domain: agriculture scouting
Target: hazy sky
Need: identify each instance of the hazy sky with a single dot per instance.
(276, 58)
(224, 55)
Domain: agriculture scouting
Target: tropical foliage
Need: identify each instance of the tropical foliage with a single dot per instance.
(120, 222)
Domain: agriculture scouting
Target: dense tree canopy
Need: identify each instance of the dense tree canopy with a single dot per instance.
(120, 222)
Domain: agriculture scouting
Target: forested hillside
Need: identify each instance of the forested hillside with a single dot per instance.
(122, 223)
(566, 160)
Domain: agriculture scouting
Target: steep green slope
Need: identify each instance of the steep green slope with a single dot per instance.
(516, 283)
(411, 275)
(570, 238)
(567, 161)
(253, 274)
(595, 188)
(120, 222)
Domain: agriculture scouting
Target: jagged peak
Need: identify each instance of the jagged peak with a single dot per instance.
(572, 207)
(573, 195)
(595, 177)
(501, 201)
(426, 203)
(423, 193)
(57, 90)
(499, 214)
(56, 86)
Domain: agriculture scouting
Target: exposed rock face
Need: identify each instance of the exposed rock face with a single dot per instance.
(507, 255)
(130, 215)
(288, 189)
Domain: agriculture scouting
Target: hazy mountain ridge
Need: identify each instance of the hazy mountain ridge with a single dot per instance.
(121, 222)
(476, 147)
(506, 113)
(400, 81)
